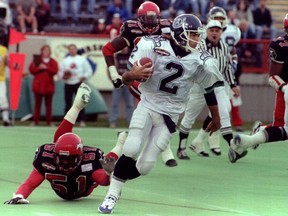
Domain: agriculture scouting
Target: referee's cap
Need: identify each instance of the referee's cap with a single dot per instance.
(214, 24)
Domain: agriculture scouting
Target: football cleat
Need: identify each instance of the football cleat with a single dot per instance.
(200, 153)
(182, 155)
(82, 97)
(255, 128)
(108, 204)
(197, 146)
(214, 143)
(234, 156)
(237, 150)
(171, 163)
(216, 151)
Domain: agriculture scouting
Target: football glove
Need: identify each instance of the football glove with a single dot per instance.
(116, 78)
(17, 199)
(118, 83)
(108, 164)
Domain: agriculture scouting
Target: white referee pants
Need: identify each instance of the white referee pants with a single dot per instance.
(197, 103)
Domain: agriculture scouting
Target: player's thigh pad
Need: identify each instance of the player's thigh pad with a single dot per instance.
(157, 142)
(139, 128)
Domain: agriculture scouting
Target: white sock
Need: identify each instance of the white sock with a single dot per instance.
(115, 187)
(202, 134)
(167, 154)
(72, 114)
(257, 138)
(5, 116)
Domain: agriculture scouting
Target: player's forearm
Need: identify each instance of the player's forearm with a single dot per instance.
(32, 182)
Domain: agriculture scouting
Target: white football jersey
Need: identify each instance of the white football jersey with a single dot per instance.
(231, 36)
(167, 90)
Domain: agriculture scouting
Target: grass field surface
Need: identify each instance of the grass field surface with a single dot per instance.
(255, 185)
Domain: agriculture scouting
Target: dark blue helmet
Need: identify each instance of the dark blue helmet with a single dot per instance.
(182, 26)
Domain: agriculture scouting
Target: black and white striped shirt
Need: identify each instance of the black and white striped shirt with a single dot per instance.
(222, 54)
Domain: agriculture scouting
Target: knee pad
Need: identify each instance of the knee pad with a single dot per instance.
(145, 167)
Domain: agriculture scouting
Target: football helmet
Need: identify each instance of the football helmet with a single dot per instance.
(68, 152)
(285, 23)
(182, 26)
(149, 17)
(218, 13)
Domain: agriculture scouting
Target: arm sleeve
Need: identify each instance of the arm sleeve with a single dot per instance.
(100, 177)
(52, 66)
(64, 127)
(32, 182)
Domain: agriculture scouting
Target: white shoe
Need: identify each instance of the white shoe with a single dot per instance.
(255, 128)
(239, 143)
(108, 204)
(198, 147)
(82, 97)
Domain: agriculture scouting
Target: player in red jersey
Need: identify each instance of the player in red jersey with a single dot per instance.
(73, 169)
(148, 23)
(278, 79)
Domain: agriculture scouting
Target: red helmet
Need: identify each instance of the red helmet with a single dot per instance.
(68, 152)
(149, 17)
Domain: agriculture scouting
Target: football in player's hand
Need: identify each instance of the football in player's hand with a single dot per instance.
(142, 61)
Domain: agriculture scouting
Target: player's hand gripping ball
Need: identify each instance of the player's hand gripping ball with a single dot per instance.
(142, 61)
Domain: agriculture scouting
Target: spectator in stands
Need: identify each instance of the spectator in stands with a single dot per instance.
(176, 8)
(200, 8)
(118, 94)
(248, 52)
(74, 69)
(263, 21)
(69, 6)
(99, 27)
(6, 22)
(121, 61)
(243, 14)
(26, 15)
(114, 28)
(42, 14)
(53, 6)
(43, 67)
(116, 7)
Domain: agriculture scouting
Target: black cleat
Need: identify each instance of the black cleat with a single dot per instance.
(171, 163)
(182, 155)
(234, 156)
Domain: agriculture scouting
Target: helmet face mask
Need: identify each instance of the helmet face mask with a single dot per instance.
(149, 17)
(218, 13)
(185, 31)
(68, 152)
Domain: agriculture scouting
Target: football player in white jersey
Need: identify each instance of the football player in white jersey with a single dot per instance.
(230, 36)
(176, 66)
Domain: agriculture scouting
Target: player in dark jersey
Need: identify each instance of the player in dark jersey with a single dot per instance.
(278, 79)
(73, 169)
(148, 23)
